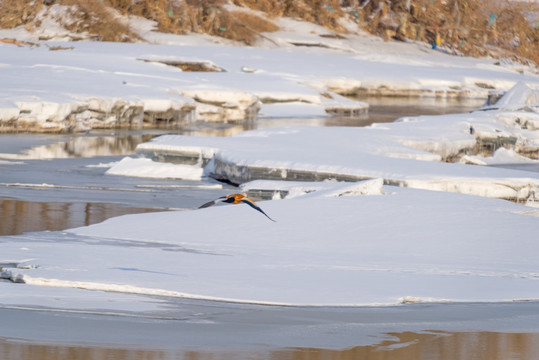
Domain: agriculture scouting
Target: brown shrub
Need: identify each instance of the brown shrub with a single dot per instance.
(200, 16)
(513, 32)
(242, 26)
(91, 16)
(472, 27)
(153, 10)
(324, 13)
(14, 13)
(272, 8)
(97, 19)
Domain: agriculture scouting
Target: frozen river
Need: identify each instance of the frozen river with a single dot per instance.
(59, 182)
(60, 193)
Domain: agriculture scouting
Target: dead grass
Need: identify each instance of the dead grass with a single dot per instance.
(14, 13)
(99, 20)
(324, 13)
(90, 16)
(272, 8)
(199, 16)
(242, 26)
(471, 27)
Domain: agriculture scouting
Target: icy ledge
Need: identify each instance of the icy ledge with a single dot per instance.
(343, 245)
(426, 152)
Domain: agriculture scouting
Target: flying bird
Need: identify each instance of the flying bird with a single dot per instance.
(235, 199)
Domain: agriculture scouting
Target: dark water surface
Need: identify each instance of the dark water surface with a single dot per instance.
(405, 346)
(18, 216)
(63, 193)
(203, 330)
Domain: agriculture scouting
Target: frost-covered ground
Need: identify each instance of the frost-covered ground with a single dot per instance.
(387, 241)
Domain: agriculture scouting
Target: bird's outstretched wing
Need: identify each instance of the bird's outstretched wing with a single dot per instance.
(211, 203)
(235, 199)
(252, 204)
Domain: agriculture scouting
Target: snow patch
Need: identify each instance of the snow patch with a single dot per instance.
(500, 156)
(402, 240)
(147, 168)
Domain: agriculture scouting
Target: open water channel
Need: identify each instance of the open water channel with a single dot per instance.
(55, 182)
(58, 181)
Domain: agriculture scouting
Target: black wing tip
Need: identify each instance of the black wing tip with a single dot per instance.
(252, 204)
(266, 215)
(208, 204)
(211, 203)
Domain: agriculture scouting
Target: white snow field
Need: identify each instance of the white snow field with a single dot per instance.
(389, 246)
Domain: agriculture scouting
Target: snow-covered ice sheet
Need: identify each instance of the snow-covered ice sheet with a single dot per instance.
(412, 152)
(404, 246)
(21, 297)
(500, 157)
(147, 168)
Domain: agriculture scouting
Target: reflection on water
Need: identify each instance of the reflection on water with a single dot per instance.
(390, 109)
(405, 346)
(381, 110)
(103, 143)
(82, 146)
(17, 217)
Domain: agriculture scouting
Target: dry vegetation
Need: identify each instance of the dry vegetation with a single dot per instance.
(83, 17)
(326, 13)
(469, 27)
(200, 16)
(90, 16)
(14, 13)
(179, 17)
